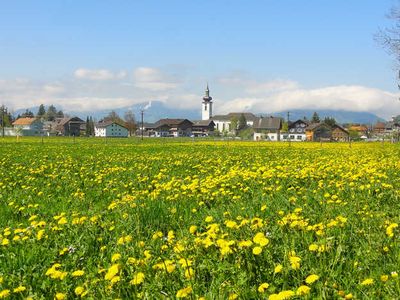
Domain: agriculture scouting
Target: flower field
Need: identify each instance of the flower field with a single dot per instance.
(166, 219)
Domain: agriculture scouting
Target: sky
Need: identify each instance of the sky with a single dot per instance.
(259, 56)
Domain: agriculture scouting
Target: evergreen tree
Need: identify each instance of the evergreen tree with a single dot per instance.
(60, 114)
(91, 125)
(242, 122)
(28, 114)
(87, 126)
(330, 121)
(41, 112)
(51, 113)
(315, 118)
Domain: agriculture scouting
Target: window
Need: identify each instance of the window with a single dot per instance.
(299, 137)
(272, 137)
(205, 107)
(292, 137)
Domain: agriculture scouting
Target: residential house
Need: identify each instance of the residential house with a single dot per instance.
(267, 128)
(28, 126)
(110, 129)
(297, 130)
(171, 128)
(69, 126)
(379, 128)
(339, 134)
(318, 132)
(203, 128)
(362, 130)
(223, 122)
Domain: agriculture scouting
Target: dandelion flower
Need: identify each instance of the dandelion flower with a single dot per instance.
(263, 287)
(312, 278)
(185, 292)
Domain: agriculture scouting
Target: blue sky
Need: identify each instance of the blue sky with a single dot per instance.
(268, 55)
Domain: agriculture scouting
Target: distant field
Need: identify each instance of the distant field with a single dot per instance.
(183, 218)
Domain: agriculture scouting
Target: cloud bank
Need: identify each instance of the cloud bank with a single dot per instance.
(88, 90)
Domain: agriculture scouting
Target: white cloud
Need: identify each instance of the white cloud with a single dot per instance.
(101, 74)
(152, 79)
(343, 97)
(152, 84)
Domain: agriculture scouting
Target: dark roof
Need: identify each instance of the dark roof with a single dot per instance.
(267, 123)
(64, 121)
(292, 124)
(230, 116)
(171, 122)
(108, 123)
(313, 126)
(340, 127)
(203, 123)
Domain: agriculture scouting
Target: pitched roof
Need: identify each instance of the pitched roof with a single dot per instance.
(340, 127)
(108, 123)
(203, 123)
(292, 124)
(230, 116)
(267, 123)
(313, 126)
(171, 122)
(24, 121)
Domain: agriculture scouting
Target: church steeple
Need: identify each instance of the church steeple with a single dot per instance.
(206, 112)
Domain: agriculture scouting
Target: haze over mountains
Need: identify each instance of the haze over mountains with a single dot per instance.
(158, 110)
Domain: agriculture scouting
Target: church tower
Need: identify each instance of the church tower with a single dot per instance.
(206, 111)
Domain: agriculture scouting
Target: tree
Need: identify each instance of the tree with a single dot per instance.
(234, 125)
(88, 133)
(242, 122)
(41, 111)
(315, 118)
(60, 114)
(114, 117)
(5, 117)
(51, 113)
(389, 37)
(130, 122)
(91, 125)
(28, 114)
(330, 121)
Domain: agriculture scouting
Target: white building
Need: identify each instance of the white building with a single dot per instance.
(110, 129)
(206, 111)
(223, 123)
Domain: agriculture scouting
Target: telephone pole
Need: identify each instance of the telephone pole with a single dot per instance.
(288, 114)
(2, 120)
(142, 129)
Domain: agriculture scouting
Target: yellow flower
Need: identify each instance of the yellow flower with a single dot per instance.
(19, 289)
(260, 239)
(189, 273)
(384, 278)
(303, 290)
(111, 272)
(278, 269)
(295, 262)
(368, 281)
(390, 228)
(79, 290)
(193, 229)
(185, 292)
(394, 274)
(4, 293)
(257, 250)
(232, 296)
(312, 278)
(349, 296)
(78, 273)
(115, 257)
(209, 219)
(313, 247)
(138, 278)
(263, 287)
(60, 296)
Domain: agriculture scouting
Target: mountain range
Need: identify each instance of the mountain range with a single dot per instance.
(158, 110)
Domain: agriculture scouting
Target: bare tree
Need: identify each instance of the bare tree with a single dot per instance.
(130, 121)
(389, 37)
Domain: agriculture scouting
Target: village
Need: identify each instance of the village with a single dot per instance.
(240, 125)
